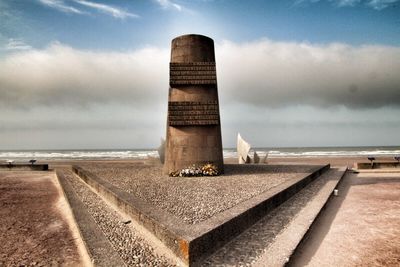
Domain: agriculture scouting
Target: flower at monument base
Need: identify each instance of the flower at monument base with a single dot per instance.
(193, 171)
(209, 170)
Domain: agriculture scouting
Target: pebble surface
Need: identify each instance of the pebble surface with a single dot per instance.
(195, 199)
(130, 246)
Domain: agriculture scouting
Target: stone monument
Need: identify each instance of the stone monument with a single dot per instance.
(193, 123)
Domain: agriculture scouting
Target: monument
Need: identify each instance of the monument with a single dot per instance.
(193, 123)
(243, 149)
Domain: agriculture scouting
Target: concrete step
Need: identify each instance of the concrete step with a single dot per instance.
(272, 240)
(98, 247)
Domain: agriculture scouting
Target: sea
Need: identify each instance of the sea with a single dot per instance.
(273, 152)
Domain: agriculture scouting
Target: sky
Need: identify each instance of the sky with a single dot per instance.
(93, 74)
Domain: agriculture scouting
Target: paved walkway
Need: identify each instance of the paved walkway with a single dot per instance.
(360, 227)
(36, 227)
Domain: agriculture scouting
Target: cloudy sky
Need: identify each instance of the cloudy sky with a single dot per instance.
(94, 73)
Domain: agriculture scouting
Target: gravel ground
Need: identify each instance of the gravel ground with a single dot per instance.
(196, 199)
(131, 247)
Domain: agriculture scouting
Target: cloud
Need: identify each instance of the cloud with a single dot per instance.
(17, 44)
(273, 74)
(61, 6)
(375, 4)
(61, 75)
(167, 4)
(116, 12)
(263, 74)
(381, 4)
(107, 9)
(343, 3)
(276, 93)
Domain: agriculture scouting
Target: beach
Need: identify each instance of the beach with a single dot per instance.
(192, 201)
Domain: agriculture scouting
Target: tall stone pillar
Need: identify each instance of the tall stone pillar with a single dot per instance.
(193, 123)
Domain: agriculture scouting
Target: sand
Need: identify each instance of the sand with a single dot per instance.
(35, 226)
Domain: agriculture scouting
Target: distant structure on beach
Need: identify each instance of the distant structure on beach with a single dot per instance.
(243, 150)
(193, 123)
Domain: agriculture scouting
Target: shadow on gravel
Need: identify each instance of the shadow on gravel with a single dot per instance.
(234, 169)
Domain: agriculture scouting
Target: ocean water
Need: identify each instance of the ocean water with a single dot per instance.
(275, 152)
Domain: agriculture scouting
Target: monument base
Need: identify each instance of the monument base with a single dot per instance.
(194, 234)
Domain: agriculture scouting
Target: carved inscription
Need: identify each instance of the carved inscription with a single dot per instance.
(191, 113)
(195, 73)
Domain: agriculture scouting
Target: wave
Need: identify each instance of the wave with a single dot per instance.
(228, 153)
(336, 153)
(311, 152)
(128, 154)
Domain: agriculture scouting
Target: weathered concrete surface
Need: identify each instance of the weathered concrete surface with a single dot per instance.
(193, 242)
(188, 145)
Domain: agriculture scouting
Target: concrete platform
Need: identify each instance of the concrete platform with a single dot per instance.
(194, 242)
(377, 165)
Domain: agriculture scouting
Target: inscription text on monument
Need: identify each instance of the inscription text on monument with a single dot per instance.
(195, 73)
(190, 113)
